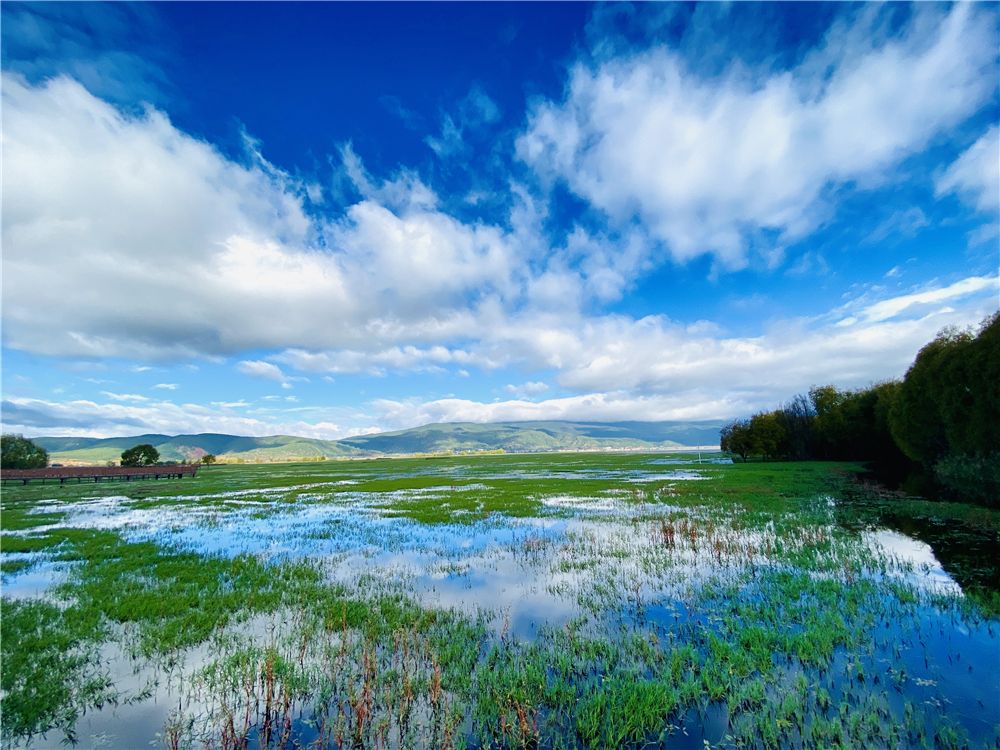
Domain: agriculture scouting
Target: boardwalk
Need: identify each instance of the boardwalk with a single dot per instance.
(98, 473)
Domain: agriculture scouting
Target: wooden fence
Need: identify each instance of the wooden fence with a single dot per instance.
(99, 473)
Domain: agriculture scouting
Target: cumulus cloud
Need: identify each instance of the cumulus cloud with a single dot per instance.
(166, 248)
(652, 370)
(708, 164)
(422, 260)
(136, 217)
(851, 347)
(870, 338)
(616, 369)
(614, 406)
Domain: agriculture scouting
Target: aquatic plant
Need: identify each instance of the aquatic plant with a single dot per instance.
(510, 601)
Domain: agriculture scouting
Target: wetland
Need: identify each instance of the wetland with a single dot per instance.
(594, 600)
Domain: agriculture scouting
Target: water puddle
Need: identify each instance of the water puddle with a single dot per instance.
(914, 561)
(716, 460)
(672, 476)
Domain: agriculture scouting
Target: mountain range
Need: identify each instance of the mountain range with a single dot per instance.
(452, 437)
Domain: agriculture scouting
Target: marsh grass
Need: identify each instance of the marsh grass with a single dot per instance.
(744, 610)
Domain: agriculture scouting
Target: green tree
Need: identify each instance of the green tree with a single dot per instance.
(884, 449)
(916, 419)
(208, 459)
(768, 437)
(956, 379)
(140, 455)
(17, 452)
(797, 417)
(830, 423)
(969, 404)
(735, 438)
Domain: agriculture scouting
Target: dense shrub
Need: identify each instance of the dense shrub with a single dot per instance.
(140, 455)
(973, 478)
(17, 452)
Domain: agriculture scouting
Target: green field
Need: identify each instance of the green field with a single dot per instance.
(542, 601)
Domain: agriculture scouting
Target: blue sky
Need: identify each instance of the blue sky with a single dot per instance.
(326, 219)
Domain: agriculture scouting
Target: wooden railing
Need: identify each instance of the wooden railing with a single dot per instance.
(99, 473)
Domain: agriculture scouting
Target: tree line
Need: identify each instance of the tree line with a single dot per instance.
(943, 417)
(18, 452)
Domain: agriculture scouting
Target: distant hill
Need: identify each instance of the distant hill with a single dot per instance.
(433, 438)
(538, 436)
(193, 447)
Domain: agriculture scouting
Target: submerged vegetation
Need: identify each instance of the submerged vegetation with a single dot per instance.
(569, 601)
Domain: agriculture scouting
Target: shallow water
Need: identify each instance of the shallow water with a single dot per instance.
(608, 564)
(920, 566)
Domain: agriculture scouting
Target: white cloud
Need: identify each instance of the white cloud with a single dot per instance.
(421, 260)
(399, 284)
(654, 355)
(168, 249)
(38, 417)
(135, 216)
(449, 142)
(869, 338)
(975, 175)
(124, 396)
(652, 370)
(531, 388)
(409, 358)
(893, 307)
(614, 406)
(707, 164)
(618, 368)
(259, 369)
